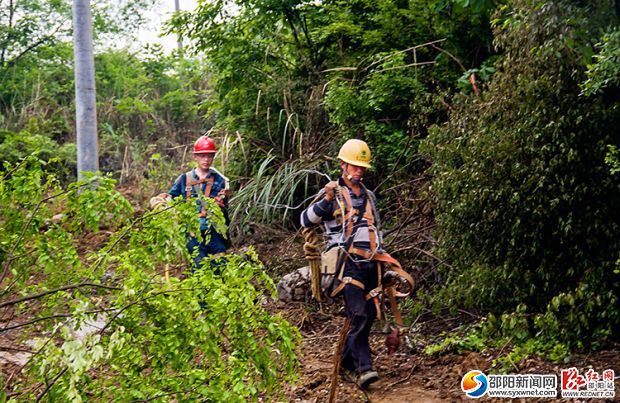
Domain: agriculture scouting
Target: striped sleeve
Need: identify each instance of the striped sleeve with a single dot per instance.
(316, 213)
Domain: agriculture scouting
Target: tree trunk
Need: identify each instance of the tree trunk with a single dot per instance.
(85, 107)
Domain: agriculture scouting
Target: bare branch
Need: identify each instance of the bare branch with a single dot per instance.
(55, 290)
(33, 321)
(451, 56)
(340, 69)
(34, 45)
(405, 66)
(389, 56)
(431, 43)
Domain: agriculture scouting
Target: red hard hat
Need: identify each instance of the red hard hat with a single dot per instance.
(204, 145)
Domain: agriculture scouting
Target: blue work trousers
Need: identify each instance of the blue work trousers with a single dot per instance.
(356, 354)
(216, 245)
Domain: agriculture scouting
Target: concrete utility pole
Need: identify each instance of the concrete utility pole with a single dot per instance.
(85, 106)
(177, 8)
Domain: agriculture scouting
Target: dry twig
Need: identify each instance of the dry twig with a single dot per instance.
(391, 385)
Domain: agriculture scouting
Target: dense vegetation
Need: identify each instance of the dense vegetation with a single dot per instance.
(525, 203)
(110, 321)
(523, 197)
(494, 129)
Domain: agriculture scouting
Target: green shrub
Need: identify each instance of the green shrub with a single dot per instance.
(525, 205)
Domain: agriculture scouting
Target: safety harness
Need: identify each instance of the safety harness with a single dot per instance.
(352, 218)
(190, 185)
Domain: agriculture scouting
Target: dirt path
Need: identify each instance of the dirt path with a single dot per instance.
(403, 377)
(410, 375)
(399, 381)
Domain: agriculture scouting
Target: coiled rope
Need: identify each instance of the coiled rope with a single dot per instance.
(312, 251)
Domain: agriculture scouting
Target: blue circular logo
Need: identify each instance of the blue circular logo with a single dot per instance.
(474, 384)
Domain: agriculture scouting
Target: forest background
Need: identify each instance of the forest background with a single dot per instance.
(494, 127)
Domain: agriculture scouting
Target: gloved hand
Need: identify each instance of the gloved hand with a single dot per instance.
(159, 201)
(330, 188)
(219, 199)
(389, 279)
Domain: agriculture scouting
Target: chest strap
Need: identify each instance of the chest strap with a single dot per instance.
(189, 185)
(368, 215)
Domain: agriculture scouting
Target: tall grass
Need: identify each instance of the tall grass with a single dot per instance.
(276, 193)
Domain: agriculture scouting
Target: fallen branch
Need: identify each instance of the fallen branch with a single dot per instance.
(55, 290)
(391, 385)
(33, 321)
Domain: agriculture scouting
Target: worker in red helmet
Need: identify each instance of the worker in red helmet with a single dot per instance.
(204, 179)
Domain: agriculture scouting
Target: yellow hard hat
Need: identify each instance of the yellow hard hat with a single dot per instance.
(355, 152)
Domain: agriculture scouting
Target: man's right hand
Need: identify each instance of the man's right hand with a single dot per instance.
(159, 200)
(219, 199)
(330, 190)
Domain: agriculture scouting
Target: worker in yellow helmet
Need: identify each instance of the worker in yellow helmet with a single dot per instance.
(355, 229)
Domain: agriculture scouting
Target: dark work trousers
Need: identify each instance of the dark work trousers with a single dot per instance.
(356, 353)
(216, 245)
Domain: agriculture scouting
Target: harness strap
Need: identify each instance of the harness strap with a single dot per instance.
(368, 215)
(391, 295)
(372, 255)
(350, 229)
(203, 212)
(394, 264)
(348, 215)
(390, 291)
(385, 258)
(189, 185)
(349, 212)
(344, 282)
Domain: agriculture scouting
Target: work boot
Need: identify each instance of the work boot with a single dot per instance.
(366, 378)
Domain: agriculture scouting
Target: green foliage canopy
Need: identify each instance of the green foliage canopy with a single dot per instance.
(296, 78)
(273, 61)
